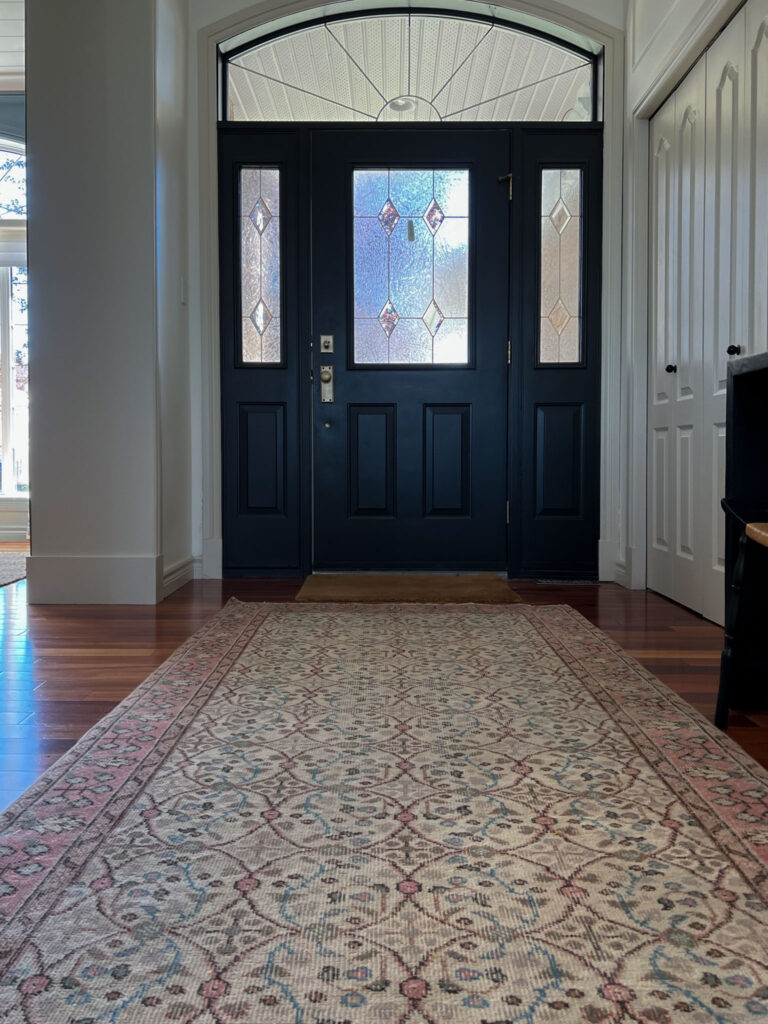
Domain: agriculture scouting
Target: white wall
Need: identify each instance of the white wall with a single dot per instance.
(94, 438)
(172, 288)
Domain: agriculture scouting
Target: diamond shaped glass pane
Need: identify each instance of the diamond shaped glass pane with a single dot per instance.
(434, 217)
(560, 216)
(388, 318)
(559, 317)
(260, 215)
(388, 216)
(260, 316)
(433, 318)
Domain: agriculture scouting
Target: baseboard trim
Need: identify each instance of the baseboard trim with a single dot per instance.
(177, 575)
(85, 579)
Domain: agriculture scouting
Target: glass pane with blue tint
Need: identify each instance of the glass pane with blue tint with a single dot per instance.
(410, 258)
(451, 266)
(560, 266)
(260, 284)
(411, 266)
(371, 270)
(452, 192)
(371, 343)
(411, 191)
(13, 185)
(370, 192)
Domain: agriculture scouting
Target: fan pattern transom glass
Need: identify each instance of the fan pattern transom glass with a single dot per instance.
(409, 67)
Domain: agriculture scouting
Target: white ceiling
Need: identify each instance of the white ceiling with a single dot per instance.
(11, 39)
(452, 69)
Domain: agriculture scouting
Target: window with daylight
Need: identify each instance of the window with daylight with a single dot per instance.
(260, 265)
(411, 266)
(14, 366)
(561, 266)
(410, 66)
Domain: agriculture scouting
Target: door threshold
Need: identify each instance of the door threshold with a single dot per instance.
(409, 572)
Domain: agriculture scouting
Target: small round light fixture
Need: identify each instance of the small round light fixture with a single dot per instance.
(402, 105)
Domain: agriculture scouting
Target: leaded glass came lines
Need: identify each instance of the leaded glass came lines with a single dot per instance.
(411, 266)
(260, 265)
(561, 272)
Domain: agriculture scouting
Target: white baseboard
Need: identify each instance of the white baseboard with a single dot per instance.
(72, 579)
(176, 576)
(606, 560)
(213, 557)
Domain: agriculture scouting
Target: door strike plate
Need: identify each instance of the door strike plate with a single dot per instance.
(326, 384)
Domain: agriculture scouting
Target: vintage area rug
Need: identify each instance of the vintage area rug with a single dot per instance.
(319, 814)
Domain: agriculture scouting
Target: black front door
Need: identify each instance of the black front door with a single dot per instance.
(410, 348)
(410, 282)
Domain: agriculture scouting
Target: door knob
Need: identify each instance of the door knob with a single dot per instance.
(326, 384)
(671, 368)
(733, 350)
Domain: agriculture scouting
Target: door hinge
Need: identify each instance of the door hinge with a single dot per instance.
(509, 178)
(509, 353)
(507, 511)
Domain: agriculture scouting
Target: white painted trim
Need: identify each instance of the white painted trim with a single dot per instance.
(176, 576)
(86, 579)
(203, 219)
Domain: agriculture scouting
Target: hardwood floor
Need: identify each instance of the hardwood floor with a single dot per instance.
(63, 666)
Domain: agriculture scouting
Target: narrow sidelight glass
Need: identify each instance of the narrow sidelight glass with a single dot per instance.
(411, 266)
(561, 266)
(261, 336)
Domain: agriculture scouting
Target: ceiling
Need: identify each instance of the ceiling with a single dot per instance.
(417, 67)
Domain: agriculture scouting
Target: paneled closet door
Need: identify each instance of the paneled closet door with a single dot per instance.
(755, 211)
(677, 243)
(724, 268)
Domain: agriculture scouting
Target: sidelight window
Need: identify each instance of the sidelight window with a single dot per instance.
(411, 266)
(561, 266)
(261, 336)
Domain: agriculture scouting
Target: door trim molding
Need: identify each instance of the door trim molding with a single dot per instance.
(204, 266)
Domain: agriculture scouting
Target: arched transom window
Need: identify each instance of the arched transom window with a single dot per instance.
(410, 67)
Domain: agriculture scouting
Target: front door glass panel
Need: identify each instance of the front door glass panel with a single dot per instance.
(561, 269)
(260, 265)
(411, 266)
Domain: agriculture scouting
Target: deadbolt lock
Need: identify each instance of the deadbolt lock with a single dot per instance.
(326, 384)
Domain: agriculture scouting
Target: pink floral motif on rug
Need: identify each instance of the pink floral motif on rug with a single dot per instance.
(339, 814)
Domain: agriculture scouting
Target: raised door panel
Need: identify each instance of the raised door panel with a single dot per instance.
(755, 206)
(687, 327)
(662, 347)
(723, 287)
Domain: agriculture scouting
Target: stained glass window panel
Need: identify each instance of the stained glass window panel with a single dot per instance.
(411, 266)
(261, 338)
(561, 266)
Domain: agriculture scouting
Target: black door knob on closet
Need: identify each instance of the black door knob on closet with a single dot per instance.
(733, 350)
(671, 368)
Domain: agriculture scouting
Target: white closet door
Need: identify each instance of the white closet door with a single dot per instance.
(756, 147)
(663, 351)
(677, 255)
(723, 299)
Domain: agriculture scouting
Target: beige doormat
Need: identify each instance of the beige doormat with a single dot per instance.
(428, 588)
(13, 566)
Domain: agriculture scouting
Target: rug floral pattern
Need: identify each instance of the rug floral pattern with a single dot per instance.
(405, 814)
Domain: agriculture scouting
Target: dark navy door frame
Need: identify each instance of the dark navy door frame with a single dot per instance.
(553, 412)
